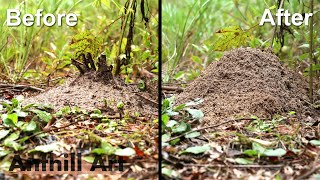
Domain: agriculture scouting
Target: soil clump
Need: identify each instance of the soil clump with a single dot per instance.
(246, 82)
(90, 92)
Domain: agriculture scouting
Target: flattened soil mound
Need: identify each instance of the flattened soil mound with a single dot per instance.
(247, 82)
(86, 92)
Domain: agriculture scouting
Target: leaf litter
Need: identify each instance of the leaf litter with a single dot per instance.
(90, 116)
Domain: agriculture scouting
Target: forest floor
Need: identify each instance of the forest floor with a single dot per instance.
(90, 117)
(245, 117)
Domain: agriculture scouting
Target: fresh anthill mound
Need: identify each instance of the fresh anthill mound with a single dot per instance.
(90, 92)
(247, 82)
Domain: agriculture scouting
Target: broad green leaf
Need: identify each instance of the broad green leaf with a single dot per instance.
(32, 125)
(256, 146)
(16, 146)
(174, 141)
(196, 59)
(4, 152)
(9, 119)
(12, 137)
(277, 152)
(193, 134)
(315, 142)
(125, 152)
(165, 118)
(195, 113)
(45, 148)
(169, 172)
(179, 75)
(4, 133)
(99, 151)
(45, 116)
(21, 113)
(250, 152)
(171, 123)
(178, 108)
(89, 159)
(182, 127)
(197, 149)
(165, 137)
(243, 161)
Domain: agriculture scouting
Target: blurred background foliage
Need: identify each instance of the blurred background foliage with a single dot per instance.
(190, 26)
(41, 55)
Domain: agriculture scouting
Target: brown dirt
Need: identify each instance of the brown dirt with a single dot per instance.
(87, 92)
(248, 82)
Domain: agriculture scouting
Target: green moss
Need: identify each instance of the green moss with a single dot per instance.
(84, 43)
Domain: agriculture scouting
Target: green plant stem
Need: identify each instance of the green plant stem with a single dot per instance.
(123, 29)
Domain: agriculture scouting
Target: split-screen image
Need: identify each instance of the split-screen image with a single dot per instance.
(159, 89)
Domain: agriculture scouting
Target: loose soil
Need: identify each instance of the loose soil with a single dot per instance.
(247, 82)
(89, 92)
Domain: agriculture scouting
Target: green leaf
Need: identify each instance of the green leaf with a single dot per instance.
(257, 147)
(32, 125)
(15, 102)
(250, 152)
(171, 123)
(277, 152)
(182, 127)
(125, 152)
(9, 119)
(4, 152)
(45, 148)
(197, 149)
(12, 137)
(169, 172)
(196, 59)
(195, 113)
(106, 148)
(120, 105)
(45, 116)
(21, 113)
(16, 146)
(89, 159)
(193, 134)
(315, 142)
(4, 133)
(243, 161)
(178, 108)
(165, 118)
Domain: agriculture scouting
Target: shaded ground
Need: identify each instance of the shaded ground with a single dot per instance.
(243, 83)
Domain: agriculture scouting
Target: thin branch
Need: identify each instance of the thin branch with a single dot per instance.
(209, 127)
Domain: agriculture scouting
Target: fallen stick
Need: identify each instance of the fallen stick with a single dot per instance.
(20, 86)
(213, 126)
(172, 88)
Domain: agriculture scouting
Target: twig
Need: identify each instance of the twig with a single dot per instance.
(208, 127)
(237, 166)
(172, 88)
(275, 28)
(313, 170)
(20, 86)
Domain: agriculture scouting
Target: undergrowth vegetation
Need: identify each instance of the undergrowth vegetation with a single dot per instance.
(192, 33)
(43, 54)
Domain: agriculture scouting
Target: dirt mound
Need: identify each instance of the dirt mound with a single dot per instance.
(88, 93)
(247, 82)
